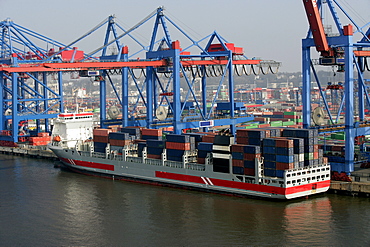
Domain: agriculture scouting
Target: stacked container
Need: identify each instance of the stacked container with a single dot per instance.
(204, 148)
(154, 148)
(118, 140)
(221, 153)
(278, 156)
(310, 140)
(178, 145)
(41, 139)
(244, 158)
(251, 136)
(151, 134)
(101, 139)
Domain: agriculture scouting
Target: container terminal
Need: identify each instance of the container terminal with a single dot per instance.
(187, 85)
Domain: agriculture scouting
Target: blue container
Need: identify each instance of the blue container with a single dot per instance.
(178, 138)
(268, 150)
(308, 149)
(205, 146)
(269, 142)
(100, 147)
(238, 170)
(270, 172)
(153, 150)
(203, 154)
(269, 164)
(280, 173)
(269, 157)
(249, 164)
(155, 143)
(252, 149)
(140, 148)
(284, 151)
(119, 136)
(237, 156)
(197, 136)
(175, 158)
(131, 131)
(146, 137)
(285, 158)
(258, 134)
(223, 140)
(255, 141)
(174, 152)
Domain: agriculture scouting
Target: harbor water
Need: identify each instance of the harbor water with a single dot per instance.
(45, 206)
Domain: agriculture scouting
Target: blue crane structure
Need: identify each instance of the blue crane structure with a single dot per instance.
(167, 67)
(347, 56)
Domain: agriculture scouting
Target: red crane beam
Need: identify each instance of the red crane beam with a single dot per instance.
(51, 67)
(317, 28)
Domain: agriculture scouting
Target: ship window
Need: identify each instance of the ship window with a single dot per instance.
(308, 179)
(313, 171)
(298, 180)
(322, 176)
(327, 168)
(318, 170)
(313, 178)
(323, 169)
(318, 177)
(288, 175)
(288, 182)
(327, 175)
(298, 173)
(303, 179)
(293, 174)
(308, 172)
(293, 181)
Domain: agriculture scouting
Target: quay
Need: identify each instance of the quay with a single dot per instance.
(29, 150)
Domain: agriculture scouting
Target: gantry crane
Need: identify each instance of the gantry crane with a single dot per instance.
(346, 56)
(166, 65)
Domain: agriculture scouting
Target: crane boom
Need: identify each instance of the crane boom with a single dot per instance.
(317, 28)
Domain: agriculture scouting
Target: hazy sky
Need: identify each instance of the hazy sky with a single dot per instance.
(269, 29)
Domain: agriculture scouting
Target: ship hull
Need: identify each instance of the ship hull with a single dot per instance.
(197, 179)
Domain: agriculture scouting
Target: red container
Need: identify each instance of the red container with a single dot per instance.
(104, 139)
(119, 143)
(101, 132)
(239, 148)
(201, 160)
(208, 138)
(284, 166)
(315, 155)
(178, 145)
(284, 143)
(242, 140)
(154, 156)
(238, 163)
(151, 132)
(249, 171)
(242, 133)
(251, 157)
(42, 134)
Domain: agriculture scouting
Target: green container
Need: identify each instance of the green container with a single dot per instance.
(290, 113)
(308, 156)
(276, 123)
(287, 123)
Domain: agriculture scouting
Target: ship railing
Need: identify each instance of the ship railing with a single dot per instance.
(155, 162)
(98, 155)
(134, 159)
(174, 164)
(195, 166)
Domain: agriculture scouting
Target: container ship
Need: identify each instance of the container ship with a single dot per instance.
(276, 163)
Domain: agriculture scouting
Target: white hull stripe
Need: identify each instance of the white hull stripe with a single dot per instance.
(72, 161)
(207, 181)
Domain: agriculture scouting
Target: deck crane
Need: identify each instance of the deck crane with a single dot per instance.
(350, 58)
